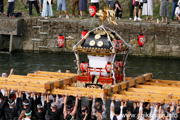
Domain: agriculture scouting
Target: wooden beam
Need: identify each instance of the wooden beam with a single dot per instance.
(56, 73)
(165, 81)
(24, 80)
(47, 76)
(153, 91)
(162, 84)
(72, 92)
(84, 89)
(148, 94)
(158, 88)
(148, 76)
(21, 84)
(146, 99)
(33, 78)
(24, 88)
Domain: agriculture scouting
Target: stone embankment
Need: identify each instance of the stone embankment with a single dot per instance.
(162, 40)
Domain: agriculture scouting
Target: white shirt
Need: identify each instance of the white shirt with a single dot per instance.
(177, 11)
(94, 1)
(27, 119)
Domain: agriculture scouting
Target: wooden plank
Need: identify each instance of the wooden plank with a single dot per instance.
(72, 92)
(158, 88)
(165, 81)
(146, 99)
(56, 73)
(24, 88)
(153, 91)
(33, 78)
(148, 94)
(24, 80)
(84, 89)
(21, 84)
(162, 84)
(46, 76)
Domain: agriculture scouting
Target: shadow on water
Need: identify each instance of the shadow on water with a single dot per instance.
(24, 63)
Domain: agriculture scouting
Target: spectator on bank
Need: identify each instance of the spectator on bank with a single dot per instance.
(10, 8)
(47, 8)
(174, 5)
(148, 9)
(82, 7)
(131, 9)
(31, 2)
(95, 3)
(1, 7)
(110, 3)
(41, 5)
(75, 4)
(118, 10)
(177, 12)
(138, 3)
(164, 10)
(61, 4)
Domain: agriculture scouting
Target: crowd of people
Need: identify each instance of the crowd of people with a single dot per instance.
(22, 105)
(136, 7)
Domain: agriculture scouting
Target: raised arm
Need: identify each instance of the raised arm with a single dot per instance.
(104, 106)
(93, 105)
(3, 105)
(89, 108)
(112, 108)
(76, 104)
(79, 107)
(65, 104)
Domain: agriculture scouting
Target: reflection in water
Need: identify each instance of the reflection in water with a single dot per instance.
(24, 63)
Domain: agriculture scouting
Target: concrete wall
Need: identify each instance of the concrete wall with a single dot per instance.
(11, 27)
(162, 40)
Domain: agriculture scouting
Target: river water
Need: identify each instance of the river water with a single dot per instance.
(28, 62)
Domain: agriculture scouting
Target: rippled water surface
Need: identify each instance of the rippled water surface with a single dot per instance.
(28, 62)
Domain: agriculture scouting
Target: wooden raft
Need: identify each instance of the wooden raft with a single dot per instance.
(60, 83)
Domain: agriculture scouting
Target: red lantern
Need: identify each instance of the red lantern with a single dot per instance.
(108, 67)
(118, 63)
(61, 41)
(117, 44)
(141, 40)
(83, 33)
(84, 66)
(92, 10)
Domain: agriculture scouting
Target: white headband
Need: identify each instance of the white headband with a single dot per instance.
(39, 106)
(10, 104)
(25, 103)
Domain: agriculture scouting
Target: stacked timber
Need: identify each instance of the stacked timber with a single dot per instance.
(138, 88)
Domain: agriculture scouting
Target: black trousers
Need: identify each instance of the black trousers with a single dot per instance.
(10, 9)
(118, 13)
(36, 6)
(1, 6)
